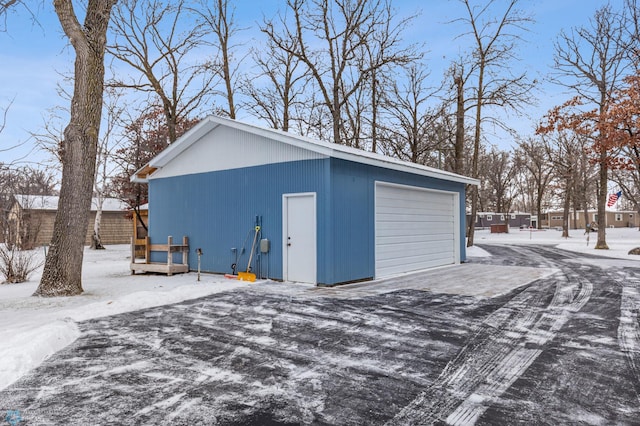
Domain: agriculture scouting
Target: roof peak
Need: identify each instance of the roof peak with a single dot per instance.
(329, 149)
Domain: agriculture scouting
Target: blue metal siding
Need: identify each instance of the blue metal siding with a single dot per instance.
(353, 200)
(351, 214)
(217, 211)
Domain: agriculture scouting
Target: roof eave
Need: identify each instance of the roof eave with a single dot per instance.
(391, 163)
(142, 174)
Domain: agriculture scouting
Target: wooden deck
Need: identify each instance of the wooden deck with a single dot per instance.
(141, 256)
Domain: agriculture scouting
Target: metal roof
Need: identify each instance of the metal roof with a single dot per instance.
(324, 148)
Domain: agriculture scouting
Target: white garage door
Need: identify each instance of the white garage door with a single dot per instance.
(415, 229)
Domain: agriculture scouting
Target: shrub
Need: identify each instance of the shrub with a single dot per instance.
(16, 265)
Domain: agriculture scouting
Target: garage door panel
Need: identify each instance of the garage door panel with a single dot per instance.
(412, 250)
(414, 229)
(432, 237)
(407, 239)
(391, 228)
(425, 259)
(424, 206)
(409, 194)
(427, 262)
(406, 263)
(414, 217)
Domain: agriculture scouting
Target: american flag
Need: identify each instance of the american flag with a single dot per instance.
(613, 198)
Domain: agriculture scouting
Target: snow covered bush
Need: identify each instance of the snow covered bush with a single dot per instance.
(16, 265)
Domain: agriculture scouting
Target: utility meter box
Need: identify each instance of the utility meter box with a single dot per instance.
(264, 245)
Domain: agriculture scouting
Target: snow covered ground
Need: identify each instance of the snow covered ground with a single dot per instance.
(559, 349)
(35, 328)
(619, 240)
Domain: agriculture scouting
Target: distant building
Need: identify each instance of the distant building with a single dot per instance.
(31, 219)
(613, 219)
(484, 220)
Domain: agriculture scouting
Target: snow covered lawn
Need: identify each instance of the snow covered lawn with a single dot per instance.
(33, 328)
(619, 240)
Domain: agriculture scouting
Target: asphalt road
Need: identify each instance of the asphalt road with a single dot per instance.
(564, 349)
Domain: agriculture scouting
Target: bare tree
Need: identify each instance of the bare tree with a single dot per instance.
(562, 154)
(62, 274)
(108, 143)
(50, 138)
(412, 128)
(355, 111)
(219, 18)
(535, 159)
(4, 112)
(383, 42)
(148, 38)
(632, 27)
(144, 137)
(3, 116)
(312, 117)
(331, 34)
(499, 176)
(591, 62)
(279, 86)
(459, 82)
(5, 5)
(494, 48)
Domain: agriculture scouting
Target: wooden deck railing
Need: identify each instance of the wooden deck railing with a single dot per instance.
(144, 264)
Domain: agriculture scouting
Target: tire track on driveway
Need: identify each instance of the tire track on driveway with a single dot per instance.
(504, 347)
(559, 350)
(629, 328)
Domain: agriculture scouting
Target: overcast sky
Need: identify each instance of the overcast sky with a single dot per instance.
(34, 55)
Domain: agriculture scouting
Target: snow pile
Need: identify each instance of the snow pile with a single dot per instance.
(24, 348)
(34, 328)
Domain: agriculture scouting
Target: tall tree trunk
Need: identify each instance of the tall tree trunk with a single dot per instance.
(62, 274)
(96, 240)
(374, 111)
(565, 211)
(602, 183)
(602, 202)
(335, 115)
(539, 196)
(459, 147)
(476, 152)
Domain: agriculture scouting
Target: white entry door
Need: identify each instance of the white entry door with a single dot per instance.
(299, 237)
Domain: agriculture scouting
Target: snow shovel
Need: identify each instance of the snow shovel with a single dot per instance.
(248, 276)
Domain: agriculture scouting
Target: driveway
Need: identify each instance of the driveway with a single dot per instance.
(562, 349)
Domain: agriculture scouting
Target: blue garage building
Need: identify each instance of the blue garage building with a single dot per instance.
(327, 213)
